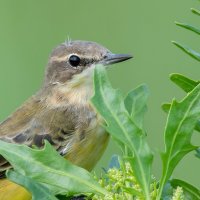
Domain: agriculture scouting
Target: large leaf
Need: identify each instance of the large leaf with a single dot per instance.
(166, 108)
(181, 122)
(188, 50)
(185, 84)
(120, 125)
(37, 190)
(135, 103)
(190, 192)
(47, 167)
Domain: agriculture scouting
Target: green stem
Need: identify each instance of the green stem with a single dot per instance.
(160, 190)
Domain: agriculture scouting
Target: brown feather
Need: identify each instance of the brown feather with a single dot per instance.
(61, 112)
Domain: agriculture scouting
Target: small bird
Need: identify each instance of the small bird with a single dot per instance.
(61, 112)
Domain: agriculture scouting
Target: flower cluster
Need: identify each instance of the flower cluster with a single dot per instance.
(122, 185)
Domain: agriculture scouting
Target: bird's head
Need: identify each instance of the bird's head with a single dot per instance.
(77, 59)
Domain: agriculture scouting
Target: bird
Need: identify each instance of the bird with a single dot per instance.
(61, 111)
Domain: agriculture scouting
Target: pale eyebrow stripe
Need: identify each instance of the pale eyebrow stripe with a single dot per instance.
(64, 58)
(59, 59)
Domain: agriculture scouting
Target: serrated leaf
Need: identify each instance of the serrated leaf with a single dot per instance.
(120, 125)
(188, 50)
(189, 27)
(48, 168)
(135, 103)
(195, 11)
(187, 85)
(166, 108)
(184, 82)
(190, 192)
(37, 190)
(181, 122)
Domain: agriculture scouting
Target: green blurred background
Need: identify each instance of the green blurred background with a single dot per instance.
(29, 29)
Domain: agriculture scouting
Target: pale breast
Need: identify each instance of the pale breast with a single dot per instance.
(88, 139)
(87, 151)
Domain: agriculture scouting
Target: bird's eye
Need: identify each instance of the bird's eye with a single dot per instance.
(74, 60)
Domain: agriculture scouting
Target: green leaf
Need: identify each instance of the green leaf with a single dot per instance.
(132, 191)
(197, 153)
(189, 27)
(195, 11)
(120, 125)
(197, 126)
(181, 122)
(135, 103)
(166, 107)
(37, 190)
(184, 82)
(188, 50)
(62, 197)
(187, 85)
(190, 192)
(48, 168)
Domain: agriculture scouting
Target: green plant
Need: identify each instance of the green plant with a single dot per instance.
(124, 121)
(129, 176)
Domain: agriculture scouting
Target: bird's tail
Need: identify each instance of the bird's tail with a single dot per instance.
(12, 191)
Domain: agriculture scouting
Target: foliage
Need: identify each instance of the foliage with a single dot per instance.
(122, 126)
(53, 172)
(181, 122)
(54, 175)
(129, 176)
(122, 184)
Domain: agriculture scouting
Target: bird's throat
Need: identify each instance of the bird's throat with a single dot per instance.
(77, 91)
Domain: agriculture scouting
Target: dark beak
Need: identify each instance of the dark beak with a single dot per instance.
(115, 58)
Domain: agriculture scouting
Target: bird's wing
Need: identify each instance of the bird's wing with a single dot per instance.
(15, 128)
(25, 126)
(20, 119)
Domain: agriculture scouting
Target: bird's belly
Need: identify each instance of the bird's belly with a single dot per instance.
(87, 152)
